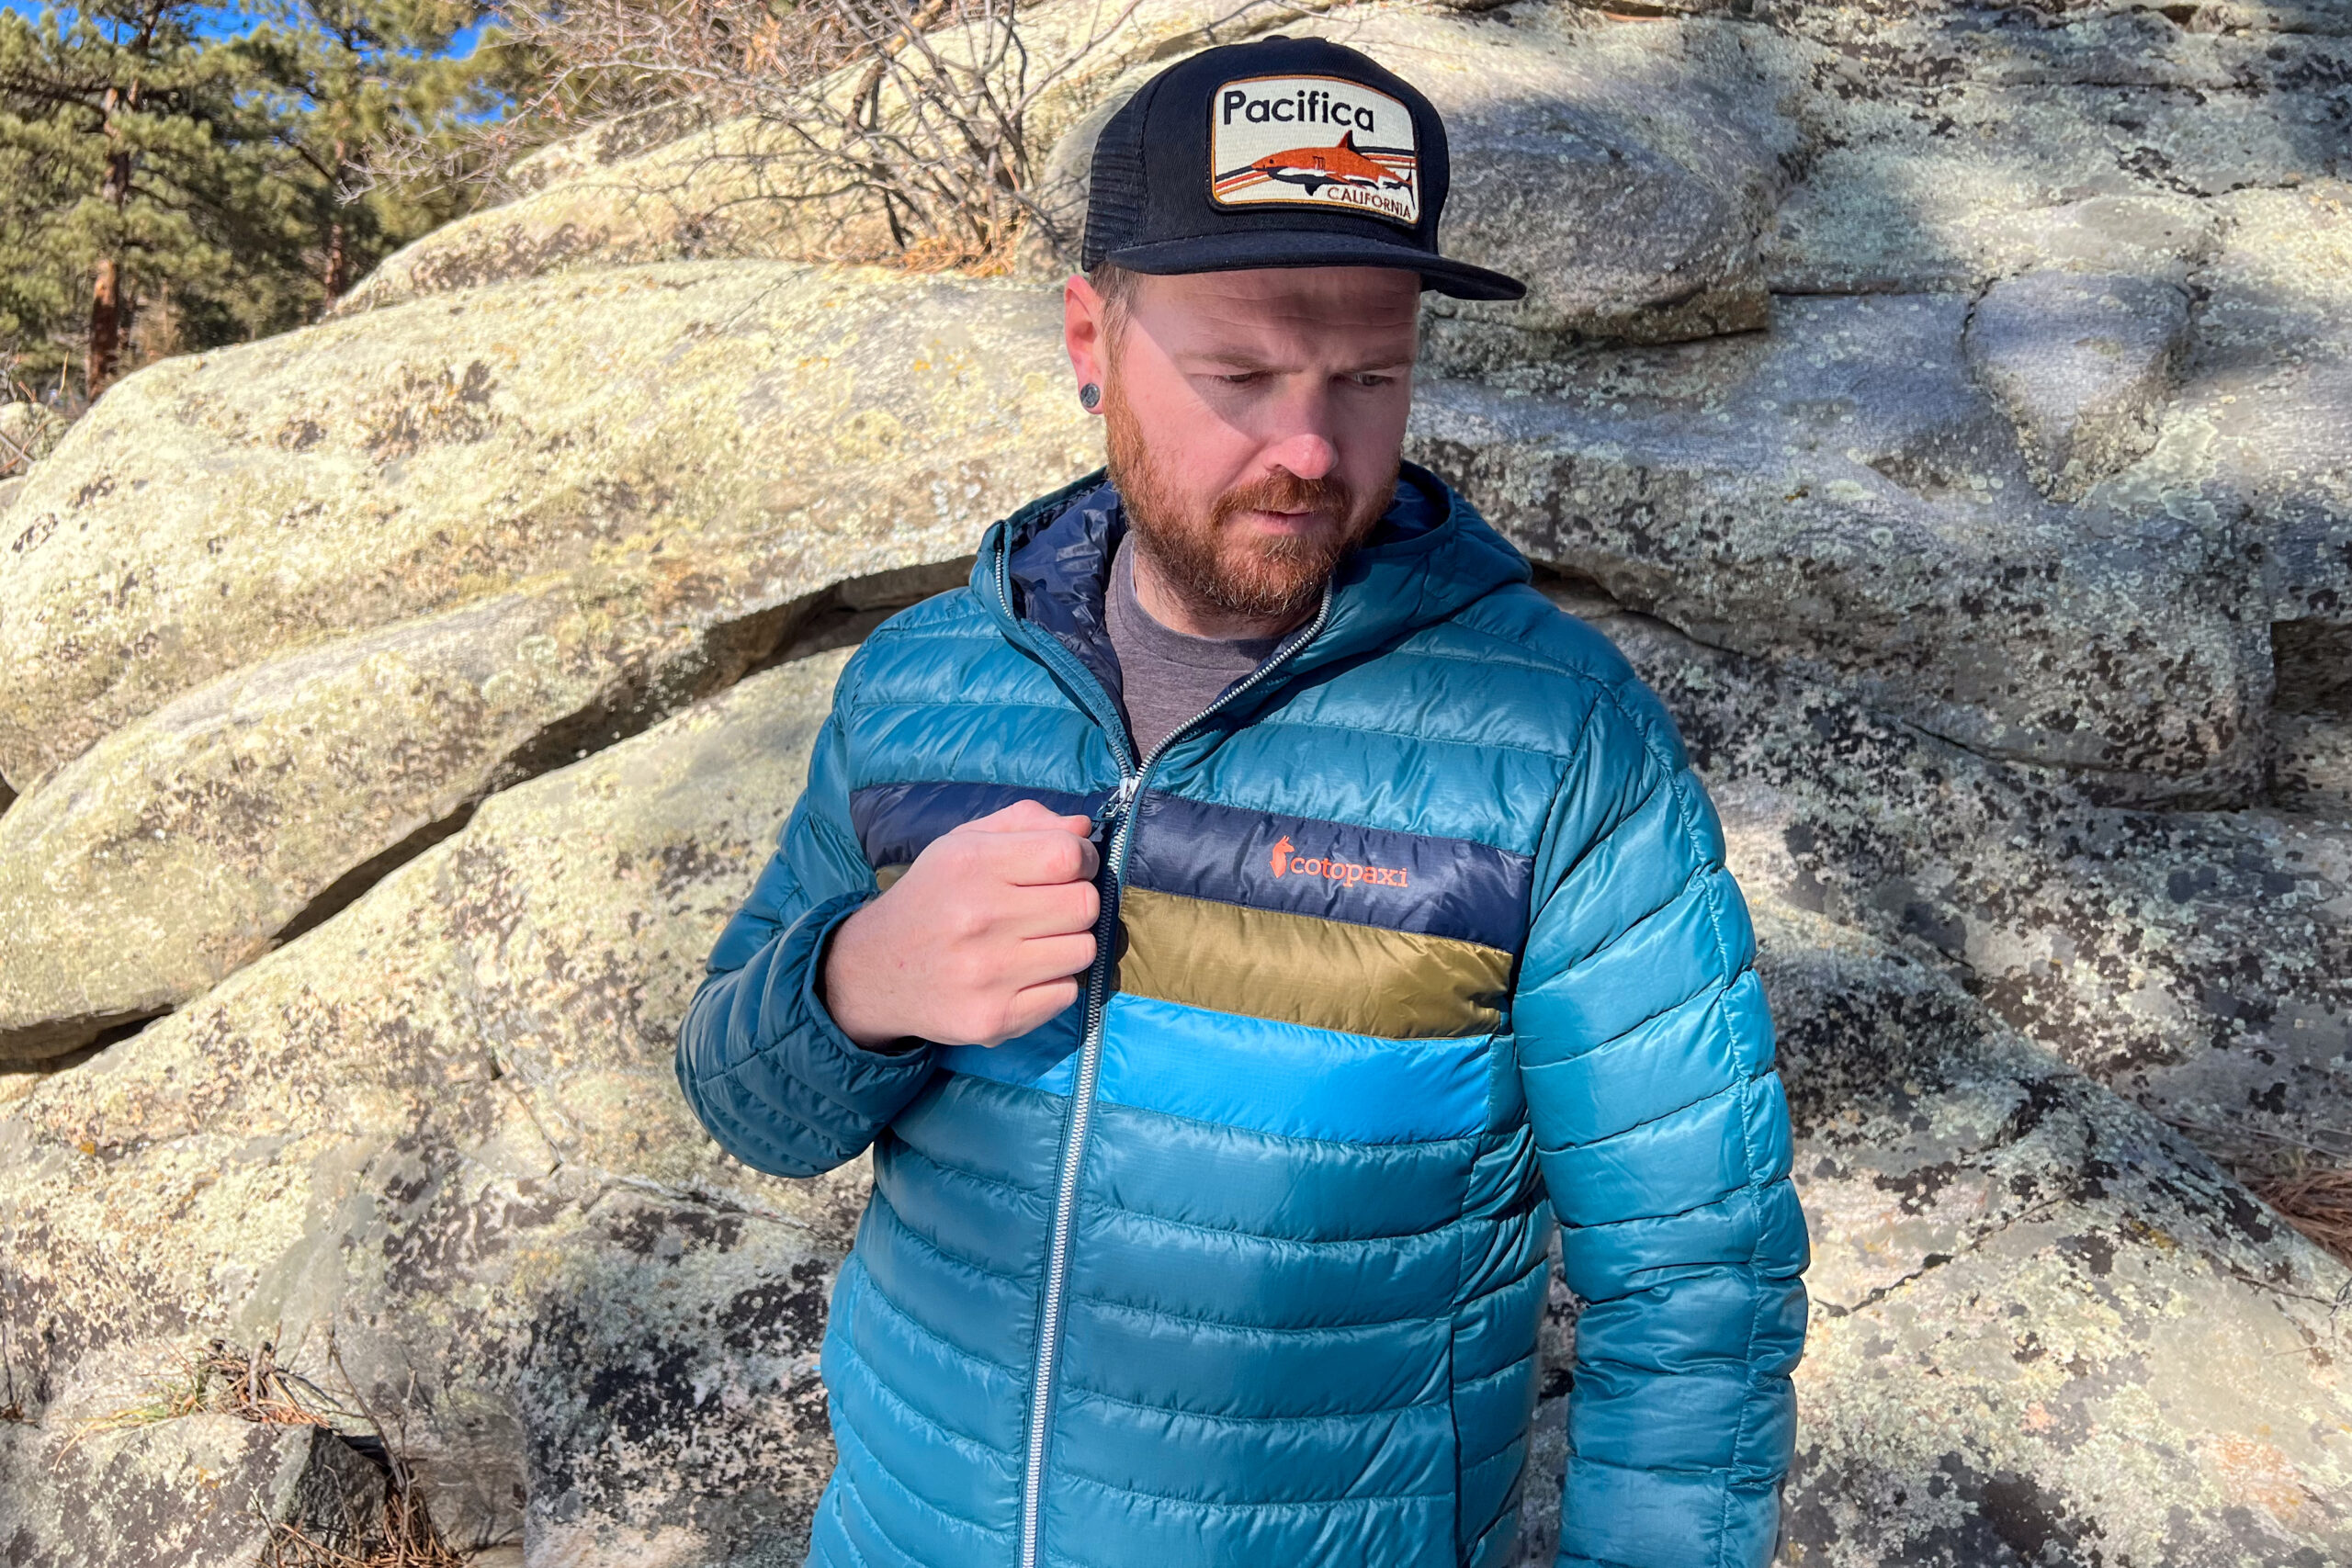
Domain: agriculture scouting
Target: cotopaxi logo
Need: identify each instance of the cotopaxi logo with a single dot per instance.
(1313, 141)
(1286, 863)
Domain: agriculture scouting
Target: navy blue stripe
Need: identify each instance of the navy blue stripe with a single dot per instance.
(895, 821)
(1373, 876)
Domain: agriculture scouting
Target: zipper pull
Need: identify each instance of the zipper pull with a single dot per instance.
(1114, 806)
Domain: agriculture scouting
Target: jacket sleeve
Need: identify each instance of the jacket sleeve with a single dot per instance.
(760, 1061)
(1645, 1054)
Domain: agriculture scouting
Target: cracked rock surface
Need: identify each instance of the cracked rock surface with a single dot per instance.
(1948, 407)
(2047, 1326)
(690, 446)
(439, 548)
(2038, 1311)
(202, 1491)
(443, 1129)
(2082, 364)
(1837, 493)
(2201, 962)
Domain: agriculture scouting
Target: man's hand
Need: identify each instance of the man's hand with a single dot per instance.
(981, 940)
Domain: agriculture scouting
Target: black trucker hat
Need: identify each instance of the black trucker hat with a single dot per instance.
(1282, 152)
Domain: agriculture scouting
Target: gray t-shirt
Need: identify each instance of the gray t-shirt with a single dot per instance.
(1167, 676)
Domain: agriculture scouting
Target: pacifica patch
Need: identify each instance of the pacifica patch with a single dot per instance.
(1313, 141)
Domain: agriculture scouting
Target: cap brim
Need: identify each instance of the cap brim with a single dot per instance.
(1243, 252)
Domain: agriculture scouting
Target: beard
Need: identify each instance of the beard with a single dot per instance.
(1204, 558)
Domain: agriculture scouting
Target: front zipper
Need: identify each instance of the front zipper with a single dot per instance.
(1117, 816)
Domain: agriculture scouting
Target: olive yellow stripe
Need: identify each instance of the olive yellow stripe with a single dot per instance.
(1301, 969)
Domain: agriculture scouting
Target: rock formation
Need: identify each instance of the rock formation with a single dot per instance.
(435, 552)
(28, 432)
(1949, 409)
(204, 1490)
(442, 1128)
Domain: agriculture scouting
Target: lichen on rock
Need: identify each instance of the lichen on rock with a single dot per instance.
(437, 550)
(444, 1128)
(198, 1491)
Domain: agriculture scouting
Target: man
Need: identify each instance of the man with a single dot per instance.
(1229, 920)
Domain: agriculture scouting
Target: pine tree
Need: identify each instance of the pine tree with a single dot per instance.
(115, 118)
(370, 106)
(219, 187)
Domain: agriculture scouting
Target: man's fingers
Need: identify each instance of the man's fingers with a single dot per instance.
(1048, 958)
(1027, 842)
(1026, 817)
(1060, 909)
(1087, 859)
(1038, 1005)
(1030, 858)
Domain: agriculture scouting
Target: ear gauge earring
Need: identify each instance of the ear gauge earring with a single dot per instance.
(1089, 396)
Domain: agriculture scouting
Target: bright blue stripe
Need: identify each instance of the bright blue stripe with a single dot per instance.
(1450, 887)
(1289, 1079)
(895, 822)
(1042, 1059)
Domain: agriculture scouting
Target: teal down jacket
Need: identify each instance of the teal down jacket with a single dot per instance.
(1418, 938)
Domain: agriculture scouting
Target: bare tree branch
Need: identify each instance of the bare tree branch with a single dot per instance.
(911, 118)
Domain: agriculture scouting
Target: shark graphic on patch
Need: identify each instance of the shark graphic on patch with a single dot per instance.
(1313, 141)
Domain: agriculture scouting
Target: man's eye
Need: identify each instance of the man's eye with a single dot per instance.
(1373, 378)
(1242, 378)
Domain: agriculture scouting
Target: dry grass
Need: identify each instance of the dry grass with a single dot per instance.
(948, 253)
(907, 123)
(12, 1404)
(403, 1535)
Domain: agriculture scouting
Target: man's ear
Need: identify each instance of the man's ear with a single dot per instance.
(1086, 324)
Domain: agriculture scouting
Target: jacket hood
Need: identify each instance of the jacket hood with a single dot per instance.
(1048, 567)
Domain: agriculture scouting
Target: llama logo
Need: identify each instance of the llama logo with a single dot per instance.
(1286, 862)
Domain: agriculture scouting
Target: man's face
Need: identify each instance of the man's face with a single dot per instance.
(1254, 419)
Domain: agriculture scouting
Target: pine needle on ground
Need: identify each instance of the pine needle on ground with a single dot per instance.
(224, 1381)
(404, 1537)
(2317, 1201)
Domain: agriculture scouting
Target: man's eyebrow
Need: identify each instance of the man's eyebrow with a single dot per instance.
(1234, 357)
(1241, 359)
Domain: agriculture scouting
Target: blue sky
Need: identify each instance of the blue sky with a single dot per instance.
(228, 21)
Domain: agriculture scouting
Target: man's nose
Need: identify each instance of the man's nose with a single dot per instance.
(1302, 439)
(1308, 454)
